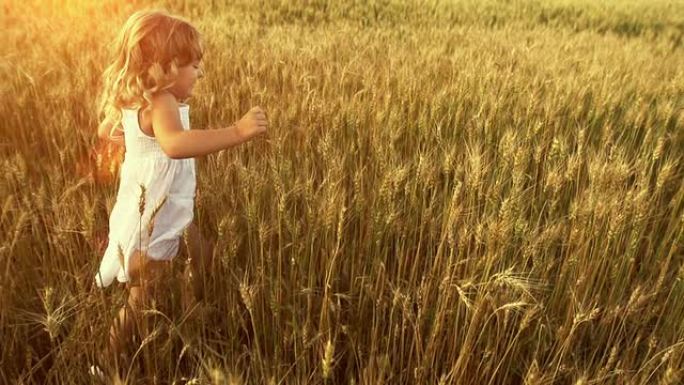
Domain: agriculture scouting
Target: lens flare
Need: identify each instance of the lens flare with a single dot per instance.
(102, 163)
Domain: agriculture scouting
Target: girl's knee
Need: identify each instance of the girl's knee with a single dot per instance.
(145, 272)
(136, 294)
(199, 246)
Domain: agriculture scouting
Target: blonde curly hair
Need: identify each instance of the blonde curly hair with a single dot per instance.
(146, 55)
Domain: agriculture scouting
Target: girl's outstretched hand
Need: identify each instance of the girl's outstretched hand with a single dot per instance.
(253, 123)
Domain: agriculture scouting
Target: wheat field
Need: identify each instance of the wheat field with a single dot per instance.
(451, 192)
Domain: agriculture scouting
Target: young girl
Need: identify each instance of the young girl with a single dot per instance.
(156, 62)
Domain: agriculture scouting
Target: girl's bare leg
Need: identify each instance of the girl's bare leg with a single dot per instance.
(121, 331)
(144, 273)
(200, 252)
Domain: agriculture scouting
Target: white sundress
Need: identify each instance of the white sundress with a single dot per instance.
(145, 163)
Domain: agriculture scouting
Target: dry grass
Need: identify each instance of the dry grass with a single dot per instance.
(469, 193)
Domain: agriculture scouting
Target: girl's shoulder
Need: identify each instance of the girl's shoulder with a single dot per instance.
(166, 100)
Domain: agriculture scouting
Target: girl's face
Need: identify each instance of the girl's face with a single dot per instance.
(187, 76)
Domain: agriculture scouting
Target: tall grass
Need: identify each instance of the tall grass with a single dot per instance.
(452, 192)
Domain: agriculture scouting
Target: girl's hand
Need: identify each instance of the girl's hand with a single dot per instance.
(118, 140)
(253, 123)
(103, 131)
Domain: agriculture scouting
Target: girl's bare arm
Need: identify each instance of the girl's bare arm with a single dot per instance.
(178, 143)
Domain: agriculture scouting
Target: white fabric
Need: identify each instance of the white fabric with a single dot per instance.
(146, 163)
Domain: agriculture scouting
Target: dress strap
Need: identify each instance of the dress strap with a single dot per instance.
(138, 143)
